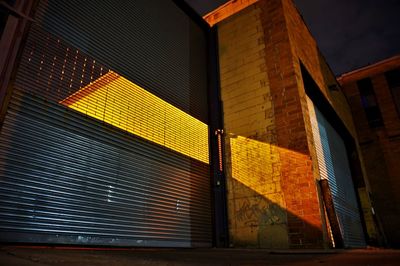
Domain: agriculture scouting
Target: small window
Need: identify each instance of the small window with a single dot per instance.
(393, 80)
(369, 103)
(3, 19)
(4, 11)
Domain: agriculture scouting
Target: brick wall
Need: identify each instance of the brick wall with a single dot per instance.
(306, 51)
(271, 165)
(256, 205)
(272, 196)
(380, 147)
(298, 183)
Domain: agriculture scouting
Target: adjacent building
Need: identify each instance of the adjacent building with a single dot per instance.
(373, 93)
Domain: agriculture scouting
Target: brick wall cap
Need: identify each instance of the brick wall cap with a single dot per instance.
(370, 70)
(226, 10)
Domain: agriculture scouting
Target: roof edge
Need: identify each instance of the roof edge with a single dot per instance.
(226, 10)
(369, 70)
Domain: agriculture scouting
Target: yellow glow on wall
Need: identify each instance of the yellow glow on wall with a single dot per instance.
(260, 166)
(121, 103)
(257, 165)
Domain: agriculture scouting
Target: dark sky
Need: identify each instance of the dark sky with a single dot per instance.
(350, 33)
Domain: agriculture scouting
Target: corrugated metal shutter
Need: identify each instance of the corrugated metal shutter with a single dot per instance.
(164, 47)
(334, 165)
(102, 173)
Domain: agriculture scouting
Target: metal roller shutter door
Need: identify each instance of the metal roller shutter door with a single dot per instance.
(105, 140)
(334, 165)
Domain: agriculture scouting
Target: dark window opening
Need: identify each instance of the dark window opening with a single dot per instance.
(3, 19)
(4, 12)
(369, 103)
(393, 80)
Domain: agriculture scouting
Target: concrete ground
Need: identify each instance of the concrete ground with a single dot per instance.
(60, 256)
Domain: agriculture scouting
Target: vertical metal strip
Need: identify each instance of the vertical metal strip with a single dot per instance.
(10, 48)
(216, 149)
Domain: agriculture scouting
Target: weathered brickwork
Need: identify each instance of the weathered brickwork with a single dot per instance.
(256, 206)
(306, 51)
(257, 210)
(271, 163)
(298, 183)
(272, 197)
(380, 146)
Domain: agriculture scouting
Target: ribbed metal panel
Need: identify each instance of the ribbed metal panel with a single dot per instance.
(165, 49)
(67, 177)
(334, 166)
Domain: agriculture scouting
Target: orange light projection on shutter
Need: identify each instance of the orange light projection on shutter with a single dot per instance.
(123, 104)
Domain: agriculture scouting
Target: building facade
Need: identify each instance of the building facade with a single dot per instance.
(373, 93)
(287, 127)
(142, 125)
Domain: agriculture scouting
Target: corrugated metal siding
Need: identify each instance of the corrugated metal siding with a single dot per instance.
(334, 166)
(151, 42)
(69, 178)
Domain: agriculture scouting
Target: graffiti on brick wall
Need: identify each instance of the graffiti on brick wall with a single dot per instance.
(258, 211)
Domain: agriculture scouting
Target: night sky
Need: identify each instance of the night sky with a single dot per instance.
(349, 33)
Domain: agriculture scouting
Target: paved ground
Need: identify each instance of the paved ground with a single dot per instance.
(60, 256)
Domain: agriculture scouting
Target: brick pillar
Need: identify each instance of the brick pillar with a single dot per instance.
(272, 194)
(298, 183)
(256, 205)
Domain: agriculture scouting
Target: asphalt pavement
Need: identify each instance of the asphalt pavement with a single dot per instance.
(60, 256)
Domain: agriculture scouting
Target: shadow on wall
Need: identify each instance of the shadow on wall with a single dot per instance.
(257, 207)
